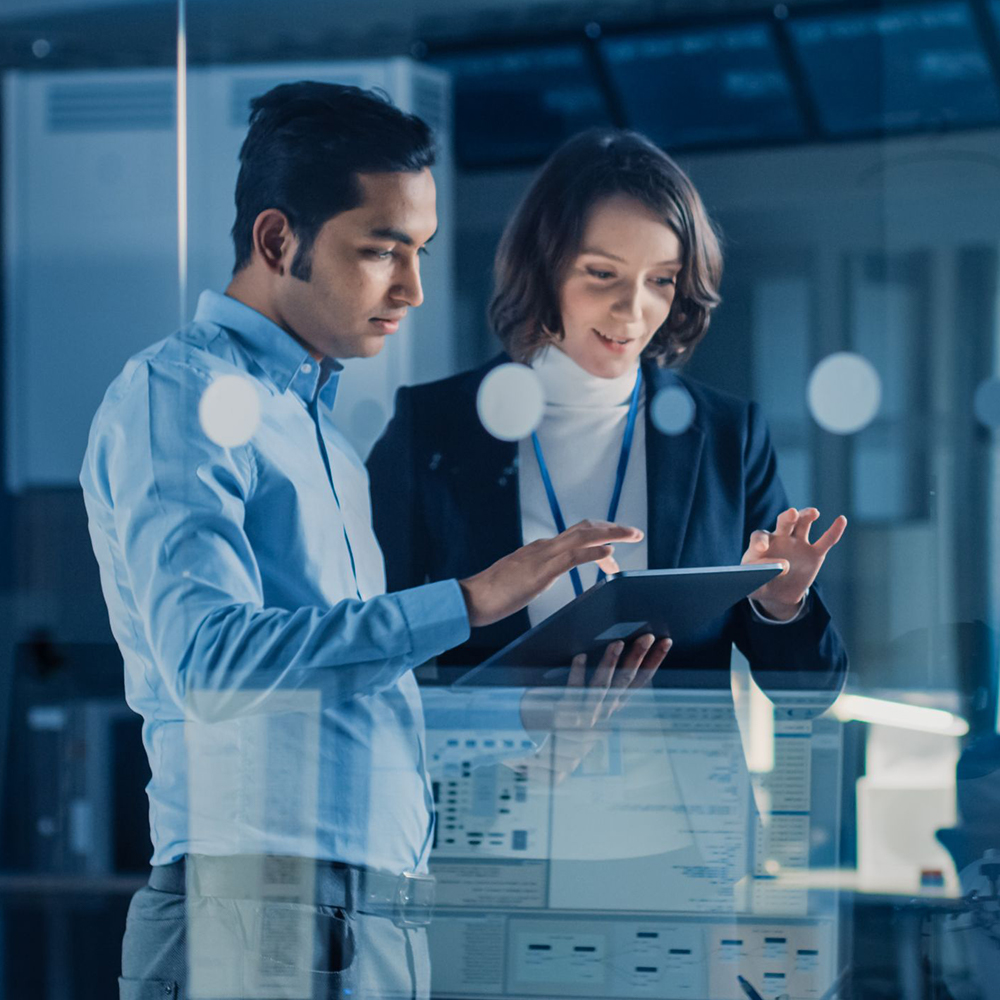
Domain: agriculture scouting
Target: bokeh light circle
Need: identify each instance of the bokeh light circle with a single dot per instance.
(672, 410)
(229, 411)
(510, 402)
(986, 402)
(844, 393)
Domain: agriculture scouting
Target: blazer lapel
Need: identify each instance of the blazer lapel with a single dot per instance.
(672, 463)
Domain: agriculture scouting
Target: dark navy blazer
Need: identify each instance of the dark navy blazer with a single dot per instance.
(445, 504)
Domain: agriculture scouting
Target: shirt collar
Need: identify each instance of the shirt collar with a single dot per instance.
(285, 362)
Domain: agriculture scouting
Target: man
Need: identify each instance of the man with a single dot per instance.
(289, 805)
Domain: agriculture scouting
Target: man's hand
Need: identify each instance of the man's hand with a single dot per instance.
(512, 582)
(789, 543)
(574, 715)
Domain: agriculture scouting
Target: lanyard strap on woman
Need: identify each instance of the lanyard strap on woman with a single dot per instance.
(550, 492)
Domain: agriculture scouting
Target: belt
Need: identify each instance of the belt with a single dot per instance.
(408, 899)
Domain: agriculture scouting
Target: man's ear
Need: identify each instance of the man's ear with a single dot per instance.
(273, 240)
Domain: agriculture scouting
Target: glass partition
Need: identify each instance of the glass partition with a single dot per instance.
(231, 766)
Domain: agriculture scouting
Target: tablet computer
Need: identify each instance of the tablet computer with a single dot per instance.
(666, 602)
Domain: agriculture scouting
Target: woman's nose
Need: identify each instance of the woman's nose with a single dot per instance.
(628, 305)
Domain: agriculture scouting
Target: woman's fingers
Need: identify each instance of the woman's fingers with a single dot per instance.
(807, 517)
(629, 667)
(655, 652)
(600, 683)
(577, 671)
(787, 520)
(831, 536)
(654, 658)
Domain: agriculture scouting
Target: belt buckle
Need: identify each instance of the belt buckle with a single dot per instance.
(414, 902)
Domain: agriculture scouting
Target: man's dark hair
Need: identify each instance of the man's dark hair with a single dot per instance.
(306, 144)
(544, 236)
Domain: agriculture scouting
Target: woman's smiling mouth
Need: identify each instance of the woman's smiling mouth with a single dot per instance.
(615, 345)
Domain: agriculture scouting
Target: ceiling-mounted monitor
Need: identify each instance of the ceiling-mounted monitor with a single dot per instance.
(517, 105)
(707, 87)
(897, 69)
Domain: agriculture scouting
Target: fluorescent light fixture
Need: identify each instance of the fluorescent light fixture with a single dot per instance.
(860, 708)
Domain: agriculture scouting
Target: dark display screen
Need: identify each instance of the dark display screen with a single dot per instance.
(706, 87)
(898, 68)
(517, 106)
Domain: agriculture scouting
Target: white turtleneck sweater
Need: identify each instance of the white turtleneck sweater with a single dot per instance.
(581, 436)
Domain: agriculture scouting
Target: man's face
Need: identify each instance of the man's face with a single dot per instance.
(365, 268)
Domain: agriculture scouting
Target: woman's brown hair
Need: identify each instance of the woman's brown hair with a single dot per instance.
(545, 232)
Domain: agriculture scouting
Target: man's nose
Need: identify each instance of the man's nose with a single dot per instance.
(409, 289)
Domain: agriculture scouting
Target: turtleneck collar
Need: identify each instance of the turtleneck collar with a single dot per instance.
(567, 384)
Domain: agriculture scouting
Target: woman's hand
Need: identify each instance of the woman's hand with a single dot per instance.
(789, 543)
(575, 715)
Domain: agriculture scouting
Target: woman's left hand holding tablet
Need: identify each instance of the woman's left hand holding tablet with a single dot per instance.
(575, 714)
(789, 543)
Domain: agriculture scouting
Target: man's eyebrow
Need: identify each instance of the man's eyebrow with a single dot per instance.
(388, 233)
(604, 253)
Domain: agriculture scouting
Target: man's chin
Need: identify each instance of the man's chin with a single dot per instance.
(371, 346)
(361, 347)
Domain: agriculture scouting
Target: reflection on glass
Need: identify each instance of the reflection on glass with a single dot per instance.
(648, 868)
(694, 841)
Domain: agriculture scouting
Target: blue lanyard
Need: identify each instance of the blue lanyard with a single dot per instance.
(557, 515)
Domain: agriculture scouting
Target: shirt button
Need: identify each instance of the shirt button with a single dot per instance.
(307, 368)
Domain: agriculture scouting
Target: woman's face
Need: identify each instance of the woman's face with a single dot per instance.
(619, 288)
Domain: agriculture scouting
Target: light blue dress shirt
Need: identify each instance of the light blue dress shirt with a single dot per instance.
(246, 591)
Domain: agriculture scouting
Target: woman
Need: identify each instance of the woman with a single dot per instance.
(606, 278)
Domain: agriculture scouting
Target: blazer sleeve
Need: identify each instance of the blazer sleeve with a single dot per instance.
(397, 503)
(812, 643)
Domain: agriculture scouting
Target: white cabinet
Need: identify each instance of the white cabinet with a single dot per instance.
(91, 246)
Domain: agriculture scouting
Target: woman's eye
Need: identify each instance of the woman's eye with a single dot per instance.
(663, 282)
(602, 275)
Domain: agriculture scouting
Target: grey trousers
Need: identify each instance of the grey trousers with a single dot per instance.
(206, 948)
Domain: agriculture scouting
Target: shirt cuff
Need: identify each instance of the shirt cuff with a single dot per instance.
(763, 616)
(436, 618)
